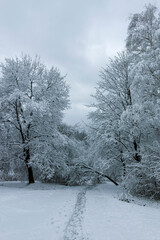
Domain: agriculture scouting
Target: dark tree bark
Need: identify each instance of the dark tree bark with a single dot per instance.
(137, 156)
(30, 174)
(29, 168)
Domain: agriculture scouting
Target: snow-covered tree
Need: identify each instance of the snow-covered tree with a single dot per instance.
(125, 126)
(32, 102)
(143, 45)
(113, 97)
(143, 30)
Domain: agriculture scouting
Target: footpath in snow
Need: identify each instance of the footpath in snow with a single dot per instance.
(53, 212)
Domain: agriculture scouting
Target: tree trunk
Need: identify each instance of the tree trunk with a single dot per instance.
(123, 165)
(137, 156)
(124, 168)
(30, 174)
(29, 168)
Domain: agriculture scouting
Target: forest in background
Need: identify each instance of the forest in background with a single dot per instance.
(122, 140)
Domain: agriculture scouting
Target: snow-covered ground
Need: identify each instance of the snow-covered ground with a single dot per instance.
(53, 212)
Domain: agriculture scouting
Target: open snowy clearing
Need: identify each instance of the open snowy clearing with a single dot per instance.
(53, 212)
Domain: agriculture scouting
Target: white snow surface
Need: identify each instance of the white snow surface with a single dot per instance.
(53, 212)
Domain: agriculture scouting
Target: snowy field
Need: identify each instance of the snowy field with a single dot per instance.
(53, 212)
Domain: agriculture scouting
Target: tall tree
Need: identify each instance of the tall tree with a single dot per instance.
(32, 101)
(113, 97)
(127, 109)
(143, 45)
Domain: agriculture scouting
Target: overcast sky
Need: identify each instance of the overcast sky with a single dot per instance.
(76, 36)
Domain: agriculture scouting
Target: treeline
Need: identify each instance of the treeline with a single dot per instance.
(123, 137)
